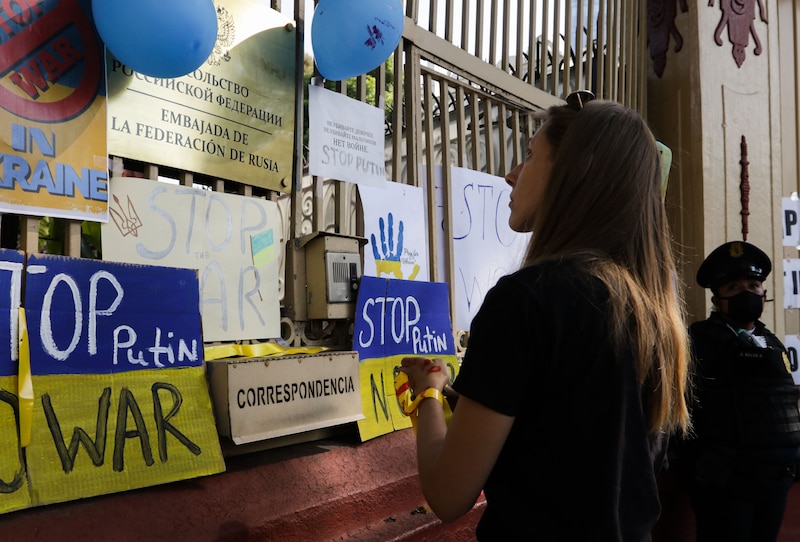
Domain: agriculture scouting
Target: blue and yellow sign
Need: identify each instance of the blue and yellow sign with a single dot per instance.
(111, 390)
(52, 111)
(395, 319)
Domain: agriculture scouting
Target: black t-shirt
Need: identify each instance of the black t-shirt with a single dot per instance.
(578, 463)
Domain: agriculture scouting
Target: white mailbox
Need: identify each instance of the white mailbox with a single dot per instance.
(263, 398)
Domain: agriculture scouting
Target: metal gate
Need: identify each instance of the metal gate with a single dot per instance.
(471, 75)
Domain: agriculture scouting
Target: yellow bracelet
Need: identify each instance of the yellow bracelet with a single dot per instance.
(424, 394)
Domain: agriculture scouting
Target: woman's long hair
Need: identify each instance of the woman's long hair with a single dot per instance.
(603, 211)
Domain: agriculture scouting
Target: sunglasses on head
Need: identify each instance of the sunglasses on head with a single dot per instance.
(576, 100)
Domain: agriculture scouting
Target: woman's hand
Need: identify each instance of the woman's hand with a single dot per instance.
(425, 373)
(454, 461)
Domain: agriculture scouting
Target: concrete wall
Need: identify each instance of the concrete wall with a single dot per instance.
(701, 107)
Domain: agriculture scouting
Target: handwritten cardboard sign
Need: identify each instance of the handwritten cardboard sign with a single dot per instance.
(52, 111)
(231, 118)
(233, 241)
(395, 319)
(116, 363)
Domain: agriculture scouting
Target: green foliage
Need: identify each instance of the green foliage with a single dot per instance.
(51, 237)
(91, 246)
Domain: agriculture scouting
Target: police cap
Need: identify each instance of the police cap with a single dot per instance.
(733, 260)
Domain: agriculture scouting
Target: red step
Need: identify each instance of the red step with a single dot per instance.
(335, 489)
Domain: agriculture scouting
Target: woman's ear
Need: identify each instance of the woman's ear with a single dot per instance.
(714, 301)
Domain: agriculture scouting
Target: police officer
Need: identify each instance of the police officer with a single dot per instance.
(741, 459)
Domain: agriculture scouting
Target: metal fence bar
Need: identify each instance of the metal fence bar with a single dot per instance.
(600, 89)
(465, 24)
(493, 26)
(580, 56)
(519, 60)
(475, 131)
(555, 63)
(446, 197)
(398, 139)
(479, 28)
(591, 45)
(461, 127)
(568, 70)
(505, 63)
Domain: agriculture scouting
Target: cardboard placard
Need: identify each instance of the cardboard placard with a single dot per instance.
(120, 397)
(395, 319)
(233, 241)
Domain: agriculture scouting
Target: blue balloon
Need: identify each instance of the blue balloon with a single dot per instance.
(161, 38)
(352, 37)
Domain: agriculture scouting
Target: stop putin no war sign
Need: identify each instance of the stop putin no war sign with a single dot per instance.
(107, 389)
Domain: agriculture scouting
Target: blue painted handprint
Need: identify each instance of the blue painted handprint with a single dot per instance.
(389, 261)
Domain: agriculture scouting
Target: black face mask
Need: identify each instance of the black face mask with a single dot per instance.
(745, 306)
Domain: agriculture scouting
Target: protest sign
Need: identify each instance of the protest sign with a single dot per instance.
(233, 241)
(485, 247)
(792, 343)
(345, 139)
(116, 363)
(52, 111)
(395, 319)
(396, 231)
